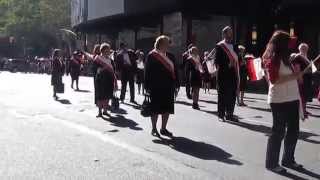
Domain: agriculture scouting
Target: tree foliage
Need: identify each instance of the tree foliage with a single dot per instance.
(36, 22)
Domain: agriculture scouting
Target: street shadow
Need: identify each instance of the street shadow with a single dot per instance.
(259, 108)
(135, 106)
(313, 107)
(215, 113)
(261, 99)
(309, 173)
(292, 176)
(119, 111)
(198, 150)
(304, 136)
(258, 117)
(185, 103)
(207, 101)
(122, 122)
(64, 101)
(314, 115)
(82, 91)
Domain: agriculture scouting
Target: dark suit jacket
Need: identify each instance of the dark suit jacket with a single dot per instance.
(127, 71)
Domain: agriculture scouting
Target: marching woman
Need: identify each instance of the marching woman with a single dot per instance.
(105, 78)
(160, 83)
(196, 73)
(243, 72)
(91, 57)
(300, 61)
(75, 68)
(58, 68)
(140, 73)
(206, 76)
(284, 100)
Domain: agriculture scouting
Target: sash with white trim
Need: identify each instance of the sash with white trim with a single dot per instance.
(230, 53)
(165, 61)
(106, 66)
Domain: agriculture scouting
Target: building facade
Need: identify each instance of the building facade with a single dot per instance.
(139, 22)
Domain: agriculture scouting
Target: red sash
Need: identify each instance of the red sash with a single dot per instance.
(107, 67)
(229, 54)
(165, 63)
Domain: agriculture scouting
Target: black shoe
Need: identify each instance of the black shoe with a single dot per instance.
(196, 106)
(232, 118)
(221, 119)
(106, 113)
(292, 165)
(278, 170)
(133, 102)
(99, 115)
(165, 132)
(155, 133)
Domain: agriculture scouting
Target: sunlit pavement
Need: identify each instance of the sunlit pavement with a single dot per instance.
(41, 138)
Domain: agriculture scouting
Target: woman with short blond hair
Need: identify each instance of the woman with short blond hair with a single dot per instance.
(160, 83)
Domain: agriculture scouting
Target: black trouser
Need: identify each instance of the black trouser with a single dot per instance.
(226, 101)
(285, 116)
(124, 82)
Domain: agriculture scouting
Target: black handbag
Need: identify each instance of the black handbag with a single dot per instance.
(59, 88)
(115, 105)
(146, 107)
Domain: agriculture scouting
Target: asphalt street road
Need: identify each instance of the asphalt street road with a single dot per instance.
(41, 138)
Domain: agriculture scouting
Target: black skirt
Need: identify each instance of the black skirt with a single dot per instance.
(162, 100)
(196, 79)
(140, 76)
(243, 78)
(104, 86)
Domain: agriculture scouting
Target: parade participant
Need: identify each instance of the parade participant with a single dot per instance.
(58, 69)
(300, 61)
(226, 61)
(196, 73)
(185, 57)
(127, 65)
(160, 83)
(243, 75)
(75, 68)
(91, 57)
(283, 98)
(140, 73)
(206, 75)
(105, 80)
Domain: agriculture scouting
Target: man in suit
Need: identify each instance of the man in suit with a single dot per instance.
(226, 61)
(127, 65)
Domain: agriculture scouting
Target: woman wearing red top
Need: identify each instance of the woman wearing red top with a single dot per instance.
(284, 100)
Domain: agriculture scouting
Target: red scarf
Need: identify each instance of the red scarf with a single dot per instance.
(165, 61)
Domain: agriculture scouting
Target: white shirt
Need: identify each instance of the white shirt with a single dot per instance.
(285, 92)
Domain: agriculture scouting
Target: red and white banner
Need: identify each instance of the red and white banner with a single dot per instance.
(255, 70)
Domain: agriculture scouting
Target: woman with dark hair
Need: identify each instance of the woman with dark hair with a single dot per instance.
(284, 100)
(58, 68)
(243, 75)
(161, 83)
(194, 66)
(75, 68)
(140, 71)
